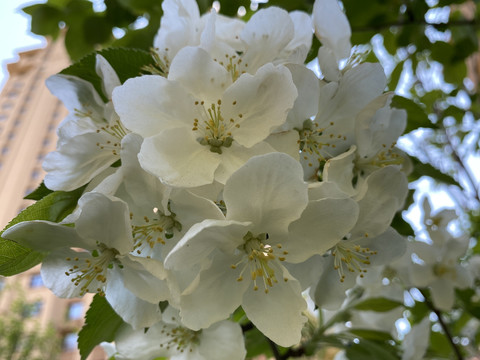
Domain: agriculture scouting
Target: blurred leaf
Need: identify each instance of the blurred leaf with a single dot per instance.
(126, 62)
(421, 169)
(141, 38)
(368, 350)
(142, 6)
(418, 312)
(45, 19)
(374, 335)
(97, 30)
(257, 344)
(377, 305)
(402, 227)
(101, 324)
(455, 73)
(440, 345)
(395, 76)
(416, 115)
(469, 302)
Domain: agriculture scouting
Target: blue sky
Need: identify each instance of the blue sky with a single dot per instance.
(14, 34)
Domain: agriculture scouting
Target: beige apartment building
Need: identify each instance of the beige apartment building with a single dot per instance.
(29, 115)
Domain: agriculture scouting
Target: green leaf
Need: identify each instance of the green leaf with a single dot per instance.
(15, 258)
(421, 169)
(440, 345)
(97, 30)
(39, 193)
(101, 324)
(126, 62)
(416, 115)
(395, 76)
(368, 350)
(257, 344)
(45, 19)
(374, 335)
(377, 305)
(402, 227)
(418, 312)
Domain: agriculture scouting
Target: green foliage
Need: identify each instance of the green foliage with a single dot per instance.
(101, 324)
(22, 337)
(15, 258)
(377, 305)
(127, 63)
(424, 169)
(39, 193)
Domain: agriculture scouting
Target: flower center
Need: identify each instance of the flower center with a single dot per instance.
(179, 338)
(314, 139)
(113, 137)
(92, 271)
(233, 64)
(154, 230)
(260, 259)
(215, 131)
(383, 158)
(351, 256)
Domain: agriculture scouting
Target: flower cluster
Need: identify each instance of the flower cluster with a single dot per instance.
(235, 177)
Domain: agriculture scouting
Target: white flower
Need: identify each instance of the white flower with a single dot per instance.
(94, 256)
(198, 123)
(440, 270)
(416, 341)
(90, 137)
(170, 338)
(248, 249)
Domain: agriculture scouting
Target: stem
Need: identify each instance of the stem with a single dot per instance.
(444, 326)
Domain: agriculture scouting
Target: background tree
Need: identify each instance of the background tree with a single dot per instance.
(22, 337)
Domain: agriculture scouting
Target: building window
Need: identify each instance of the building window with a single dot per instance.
(70, 342)
(75, 311)
(36, 281)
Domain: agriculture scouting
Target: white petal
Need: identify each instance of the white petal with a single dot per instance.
(323, 223)
(203, 238)
(223, 340)
(387, 190)
(43, 235)
(184, 162)
(133, 310)
(109, 77)
(149, 104)
(278, 314)
(236, 156)
(106, 220)
(268, 190)
(259, 103)
(306, 104)
(332, 27)
(266, 34)
(207, 84)
(76, 94)
(203, 306)
(77, 161)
